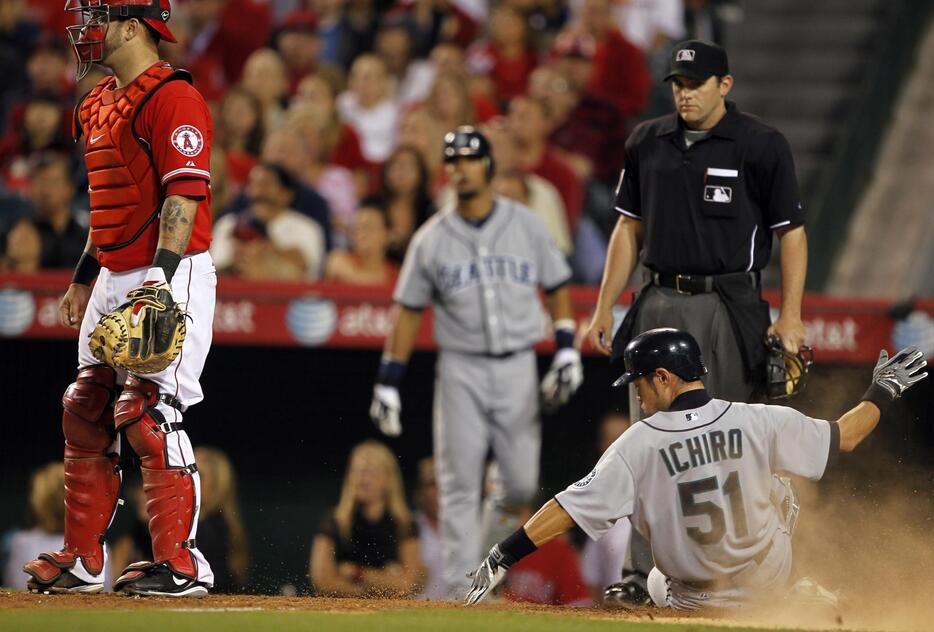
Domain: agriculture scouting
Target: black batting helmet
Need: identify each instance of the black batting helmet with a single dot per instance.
(467, 141)
(665, 348)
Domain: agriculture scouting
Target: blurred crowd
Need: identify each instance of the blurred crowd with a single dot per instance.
(329, 117)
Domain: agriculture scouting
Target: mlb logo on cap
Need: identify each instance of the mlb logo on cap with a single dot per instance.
(685, 55)
(698, 60)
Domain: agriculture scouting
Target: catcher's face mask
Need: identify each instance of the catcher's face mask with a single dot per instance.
(87, 38)
(786, 372)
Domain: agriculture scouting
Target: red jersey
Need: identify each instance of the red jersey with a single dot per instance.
(510, 76)
(144, 141)
(620, 75)
(550, 575)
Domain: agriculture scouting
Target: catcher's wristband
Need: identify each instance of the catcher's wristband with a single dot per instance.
(390, 372)
(879, 396)
(564, 333)
(516, 546)
(87, 270)
(168, 261)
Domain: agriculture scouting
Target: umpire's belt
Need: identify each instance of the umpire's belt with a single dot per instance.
(701, 284)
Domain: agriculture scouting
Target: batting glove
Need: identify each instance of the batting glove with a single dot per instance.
(563, 379)
(385, 410)
(901, 372)
(489, 575)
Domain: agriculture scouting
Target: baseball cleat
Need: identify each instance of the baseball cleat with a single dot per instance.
(629, 593)
(64, 583)
(157, 580)
(50, 573)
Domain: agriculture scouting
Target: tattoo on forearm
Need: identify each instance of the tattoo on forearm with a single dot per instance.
(176, 224)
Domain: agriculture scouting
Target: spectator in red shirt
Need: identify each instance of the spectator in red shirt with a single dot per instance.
(240, 131)
(528, 122)
(228, 31)
(207, 69)
(507, 59)
(551, 575)
(620, 74)
(588, 131)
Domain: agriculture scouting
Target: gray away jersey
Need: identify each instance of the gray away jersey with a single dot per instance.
(482, 280)
(697, 483)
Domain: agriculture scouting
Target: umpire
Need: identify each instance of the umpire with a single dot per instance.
(702, 191)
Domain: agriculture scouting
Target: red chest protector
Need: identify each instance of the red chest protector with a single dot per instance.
(126, 195)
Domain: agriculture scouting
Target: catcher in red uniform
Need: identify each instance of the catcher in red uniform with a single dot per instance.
(145, 328)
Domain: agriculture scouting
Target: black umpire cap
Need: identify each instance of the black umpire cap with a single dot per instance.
(697, 59)
(664, 348)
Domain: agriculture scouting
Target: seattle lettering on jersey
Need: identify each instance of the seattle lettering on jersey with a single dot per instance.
(709, 447)
(461, 275)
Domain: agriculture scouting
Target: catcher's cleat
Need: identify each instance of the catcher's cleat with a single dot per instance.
(50, 573)
(629, 593)
(49, 577)
(147, 579)
(64, 583)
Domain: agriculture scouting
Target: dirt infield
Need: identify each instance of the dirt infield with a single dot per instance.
(11, 601)
(857, 615)
(14, 600)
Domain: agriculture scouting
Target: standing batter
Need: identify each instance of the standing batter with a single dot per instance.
(697, 476)
(148, 137)
(481, 264)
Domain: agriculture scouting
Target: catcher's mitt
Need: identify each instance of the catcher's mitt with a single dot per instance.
(144, 335)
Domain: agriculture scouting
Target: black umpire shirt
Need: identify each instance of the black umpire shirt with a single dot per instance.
(711, 208)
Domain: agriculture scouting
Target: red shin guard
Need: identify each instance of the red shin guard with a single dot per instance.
(92, 481)
(170, 503)
(169, 489)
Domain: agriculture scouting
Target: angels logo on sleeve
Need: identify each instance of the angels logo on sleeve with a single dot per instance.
(188, 140)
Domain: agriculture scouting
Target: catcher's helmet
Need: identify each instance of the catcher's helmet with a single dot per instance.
(664, 348)
(87, 38)
(786, 372)
(466, 141)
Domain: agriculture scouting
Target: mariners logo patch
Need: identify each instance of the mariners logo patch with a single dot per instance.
(685, 54)
(724, 195)
(188, 140)
(584, 482)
